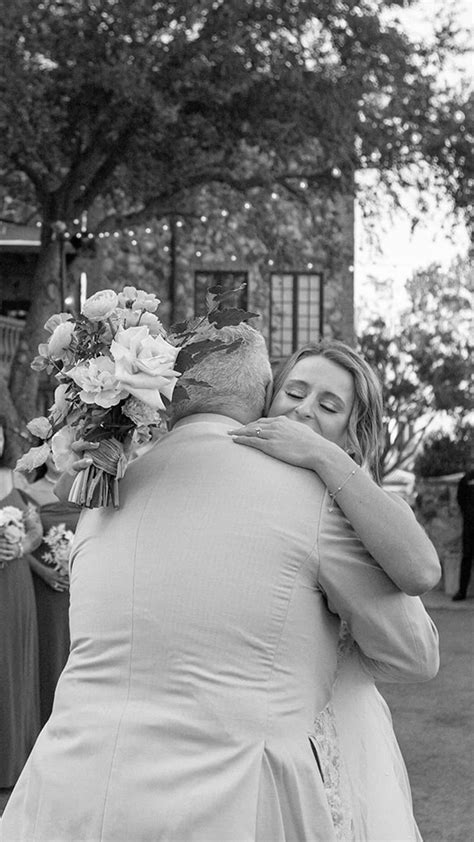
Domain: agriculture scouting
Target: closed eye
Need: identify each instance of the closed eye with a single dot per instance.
(327, 408)
(297, 396)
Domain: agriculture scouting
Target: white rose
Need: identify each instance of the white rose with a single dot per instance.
(60, 340)
(100, 306)
(144, 364)
(39, 427)
(138, 299)
(61, 443)
(98, 383)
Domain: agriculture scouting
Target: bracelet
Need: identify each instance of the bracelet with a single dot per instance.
(333, 494)
(21, 549)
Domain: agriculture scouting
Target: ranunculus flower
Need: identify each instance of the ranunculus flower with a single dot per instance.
(55, 320)
(61, 405)
(98, 383)
(144, 364)
(100, 306)
(35, 457)
(39, 427)
(61, 443)
(60, 340)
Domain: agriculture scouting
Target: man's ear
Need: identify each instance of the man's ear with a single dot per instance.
(268, 397)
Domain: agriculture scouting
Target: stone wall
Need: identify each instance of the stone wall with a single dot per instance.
(438, 512)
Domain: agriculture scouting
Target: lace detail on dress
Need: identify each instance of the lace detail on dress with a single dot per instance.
(327, 743)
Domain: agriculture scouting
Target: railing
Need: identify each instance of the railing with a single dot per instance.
(10, 331)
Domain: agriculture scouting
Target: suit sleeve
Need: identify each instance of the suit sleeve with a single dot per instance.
(397, 638)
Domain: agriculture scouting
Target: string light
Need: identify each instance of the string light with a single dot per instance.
(303, 185)
(203, 218)
(336, 172)
(224, 213)
(274, 195)
(247, 205)
(147, 230)
(179, 223)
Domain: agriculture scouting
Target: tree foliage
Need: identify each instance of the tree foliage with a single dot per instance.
(143, 104)
(426, 369)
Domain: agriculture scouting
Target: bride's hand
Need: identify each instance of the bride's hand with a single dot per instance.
(283, 439)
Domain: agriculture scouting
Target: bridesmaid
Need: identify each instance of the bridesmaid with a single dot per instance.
(51, 588)
(19, 683)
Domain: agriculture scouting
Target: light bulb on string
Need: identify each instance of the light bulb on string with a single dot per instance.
(270, 262)
(224, 213)
(134, 243)
(336, 172)
(179, 223)
(166, 248)
(203, 218)
(274, 195)
(165, 227)
(131, 233)
(199, 253)
(247, 205)
(303, 184)
(309, 265)
(147, 230)
(116, 234)
(233, 257)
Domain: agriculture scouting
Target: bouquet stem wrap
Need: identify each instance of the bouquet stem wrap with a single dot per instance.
(97, 485)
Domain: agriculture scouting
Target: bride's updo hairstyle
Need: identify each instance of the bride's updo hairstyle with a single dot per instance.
(365, 427)
(237, 377)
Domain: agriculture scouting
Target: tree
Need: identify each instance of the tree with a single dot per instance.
(141, 105)
(425, 369)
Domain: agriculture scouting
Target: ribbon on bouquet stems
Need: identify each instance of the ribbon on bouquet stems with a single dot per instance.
(97, 485)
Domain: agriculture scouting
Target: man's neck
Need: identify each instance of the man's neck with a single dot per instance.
(223, 411)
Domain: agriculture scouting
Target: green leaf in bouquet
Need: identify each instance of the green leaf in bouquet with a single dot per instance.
(230, 316)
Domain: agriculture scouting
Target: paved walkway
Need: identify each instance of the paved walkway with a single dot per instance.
(435, 727)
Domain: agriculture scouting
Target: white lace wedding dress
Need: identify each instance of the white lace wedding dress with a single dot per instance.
(364, 772)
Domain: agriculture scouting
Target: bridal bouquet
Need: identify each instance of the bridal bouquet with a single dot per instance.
(117, 369)
(59, 540)
(12, 525)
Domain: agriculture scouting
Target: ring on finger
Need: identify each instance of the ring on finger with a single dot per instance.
(258, 431)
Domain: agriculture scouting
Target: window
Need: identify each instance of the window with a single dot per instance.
(296, 311)
(228, 280)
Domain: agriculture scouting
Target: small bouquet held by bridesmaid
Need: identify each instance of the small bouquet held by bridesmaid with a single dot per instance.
(59, 541)
(117, 369)
(12, 527)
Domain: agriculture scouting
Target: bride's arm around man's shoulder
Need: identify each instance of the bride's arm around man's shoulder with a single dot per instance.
(394, 631)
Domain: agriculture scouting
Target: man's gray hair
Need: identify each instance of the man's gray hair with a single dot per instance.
(239, 377)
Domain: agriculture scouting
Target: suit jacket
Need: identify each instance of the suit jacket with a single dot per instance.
(204, 628)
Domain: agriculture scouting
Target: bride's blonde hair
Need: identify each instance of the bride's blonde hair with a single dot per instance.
(365, 426)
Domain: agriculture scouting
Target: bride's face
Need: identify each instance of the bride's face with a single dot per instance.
(319, 393)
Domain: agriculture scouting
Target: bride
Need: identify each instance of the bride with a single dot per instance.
(335, 397)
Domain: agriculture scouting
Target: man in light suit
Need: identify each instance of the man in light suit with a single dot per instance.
(202, 642)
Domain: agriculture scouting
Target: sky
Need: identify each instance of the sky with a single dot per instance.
(396, 252)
